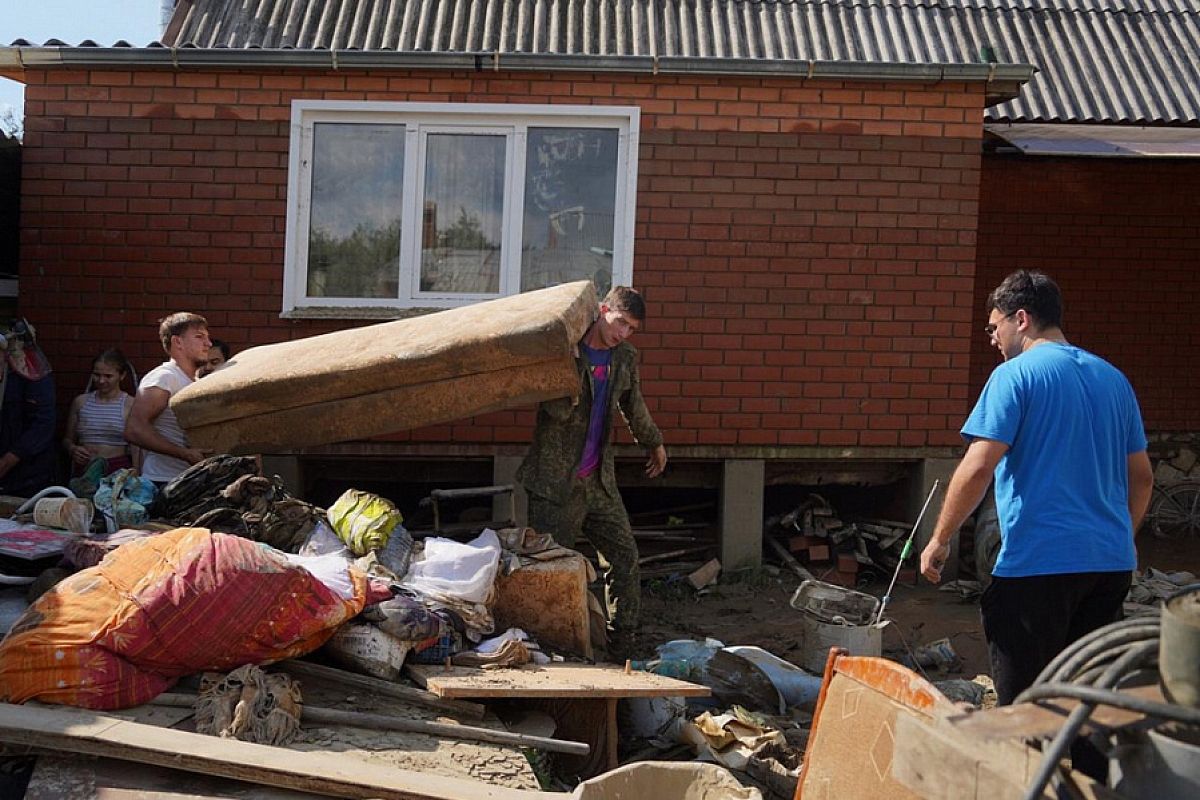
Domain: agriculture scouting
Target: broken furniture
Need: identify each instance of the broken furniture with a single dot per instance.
(549, 601)
(581, 698)
(881, 730)
(409, 373)
(439, 496)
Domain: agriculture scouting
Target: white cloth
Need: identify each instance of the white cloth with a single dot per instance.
(453, 569)
(333, 570)
(156, 466)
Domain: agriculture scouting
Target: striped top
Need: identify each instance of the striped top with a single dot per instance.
(103, 421)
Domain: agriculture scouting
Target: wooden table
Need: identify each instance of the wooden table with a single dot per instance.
(581, 697)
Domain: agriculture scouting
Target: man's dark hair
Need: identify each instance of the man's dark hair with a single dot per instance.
(1033, 291)
(626, 300)
(177, 325)
(221, 345)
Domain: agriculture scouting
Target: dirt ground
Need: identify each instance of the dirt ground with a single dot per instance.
(753, 609)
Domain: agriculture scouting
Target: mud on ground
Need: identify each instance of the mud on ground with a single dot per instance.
(752, 609)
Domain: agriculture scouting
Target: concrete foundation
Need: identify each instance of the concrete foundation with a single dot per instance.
(935, 469)
(741, 513)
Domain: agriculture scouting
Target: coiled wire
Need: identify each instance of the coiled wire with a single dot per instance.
(1089, 670)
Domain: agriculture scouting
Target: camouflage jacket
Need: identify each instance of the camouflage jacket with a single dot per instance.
(562, 426)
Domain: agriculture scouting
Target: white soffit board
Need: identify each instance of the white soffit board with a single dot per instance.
(1105, 141)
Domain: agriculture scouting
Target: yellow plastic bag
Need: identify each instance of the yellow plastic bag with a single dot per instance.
(364, 521)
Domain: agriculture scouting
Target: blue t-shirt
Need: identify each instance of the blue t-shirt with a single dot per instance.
(599, 362)
(1070, 420)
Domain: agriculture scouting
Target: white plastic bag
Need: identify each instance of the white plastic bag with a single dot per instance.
(450, 568)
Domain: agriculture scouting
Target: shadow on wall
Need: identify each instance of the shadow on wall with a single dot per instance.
(10, 208)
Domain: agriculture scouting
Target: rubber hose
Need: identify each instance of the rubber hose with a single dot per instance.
(1080, 714)
(31, 502)
(1075, 647)
(1106, 697)
(1099, 642)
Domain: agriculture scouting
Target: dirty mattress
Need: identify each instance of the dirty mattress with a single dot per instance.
(392, 376)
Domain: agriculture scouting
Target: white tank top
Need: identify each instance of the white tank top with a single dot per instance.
(156, 466)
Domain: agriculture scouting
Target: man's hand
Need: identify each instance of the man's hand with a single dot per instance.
(933, 558)
(657, 462)
(194, 456)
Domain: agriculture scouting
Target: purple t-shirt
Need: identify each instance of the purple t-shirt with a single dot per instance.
(598, 361)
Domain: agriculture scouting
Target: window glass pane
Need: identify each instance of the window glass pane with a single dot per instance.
(570, 198)
(463, 214)
(354, 224)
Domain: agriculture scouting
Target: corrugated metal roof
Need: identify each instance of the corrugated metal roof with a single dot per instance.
(1099, 61)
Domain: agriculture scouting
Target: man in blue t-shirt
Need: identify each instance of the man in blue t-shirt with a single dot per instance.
(1060, 430)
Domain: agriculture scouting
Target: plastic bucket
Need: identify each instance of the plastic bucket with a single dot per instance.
(69, 513)
(833, 616)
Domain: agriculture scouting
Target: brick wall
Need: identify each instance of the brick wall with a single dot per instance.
(806, 248)
(1122, 239)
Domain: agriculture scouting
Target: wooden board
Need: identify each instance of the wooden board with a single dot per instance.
(568, 681)
(549, 601)
(1044, 718)
(57, 777)
(80, 731)
(937, 762)
(850, 749)
(306, 671)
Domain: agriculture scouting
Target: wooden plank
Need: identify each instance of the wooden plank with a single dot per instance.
(59, 776)
(788, 559)
(552, 680)
(1044, 718)
(938, 762)
(349, 680)
(385, 722)
(683, 551)
(81, 731)
(850, 748)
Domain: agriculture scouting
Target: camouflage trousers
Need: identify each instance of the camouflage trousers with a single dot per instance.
(602, 519)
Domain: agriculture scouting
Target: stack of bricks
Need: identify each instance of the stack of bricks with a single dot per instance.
(843, 552)
(810, 549)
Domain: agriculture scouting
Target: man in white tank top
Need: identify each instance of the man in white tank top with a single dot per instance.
(152, 425)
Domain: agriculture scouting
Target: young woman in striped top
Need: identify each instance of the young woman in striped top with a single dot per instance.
(96, 425)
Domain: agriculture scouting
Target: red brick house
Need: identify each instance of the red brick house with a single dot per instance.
(805, 191)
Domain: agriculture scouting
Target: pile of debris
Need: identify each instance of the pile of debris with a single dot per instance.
(846, 552)
(233, 579)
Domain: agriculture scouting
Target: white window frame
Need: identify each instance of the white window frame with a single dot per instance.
(421, 119)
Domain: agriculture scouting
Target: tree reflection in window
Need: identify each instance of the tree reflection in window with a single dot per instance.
(464, 213)
(354, 223)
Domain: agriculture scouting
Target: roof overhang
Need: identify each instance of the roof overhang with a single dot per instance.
(1099, 141)
(1003, 81)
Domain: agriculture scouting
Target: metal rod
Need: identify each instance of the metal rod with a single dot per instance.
(905, 552)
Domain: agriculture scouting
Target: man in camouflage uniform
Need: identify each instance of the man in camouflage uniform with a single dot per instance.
(568, 472)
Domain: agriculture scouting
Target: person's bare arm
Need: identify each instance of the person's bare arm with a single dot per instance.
(136, 454)
(1141, 485)
(139, 427)
(967, 488)
(79, 453)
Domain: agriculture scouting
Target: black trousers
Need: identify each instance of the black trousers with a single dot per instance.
(1028, 621)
